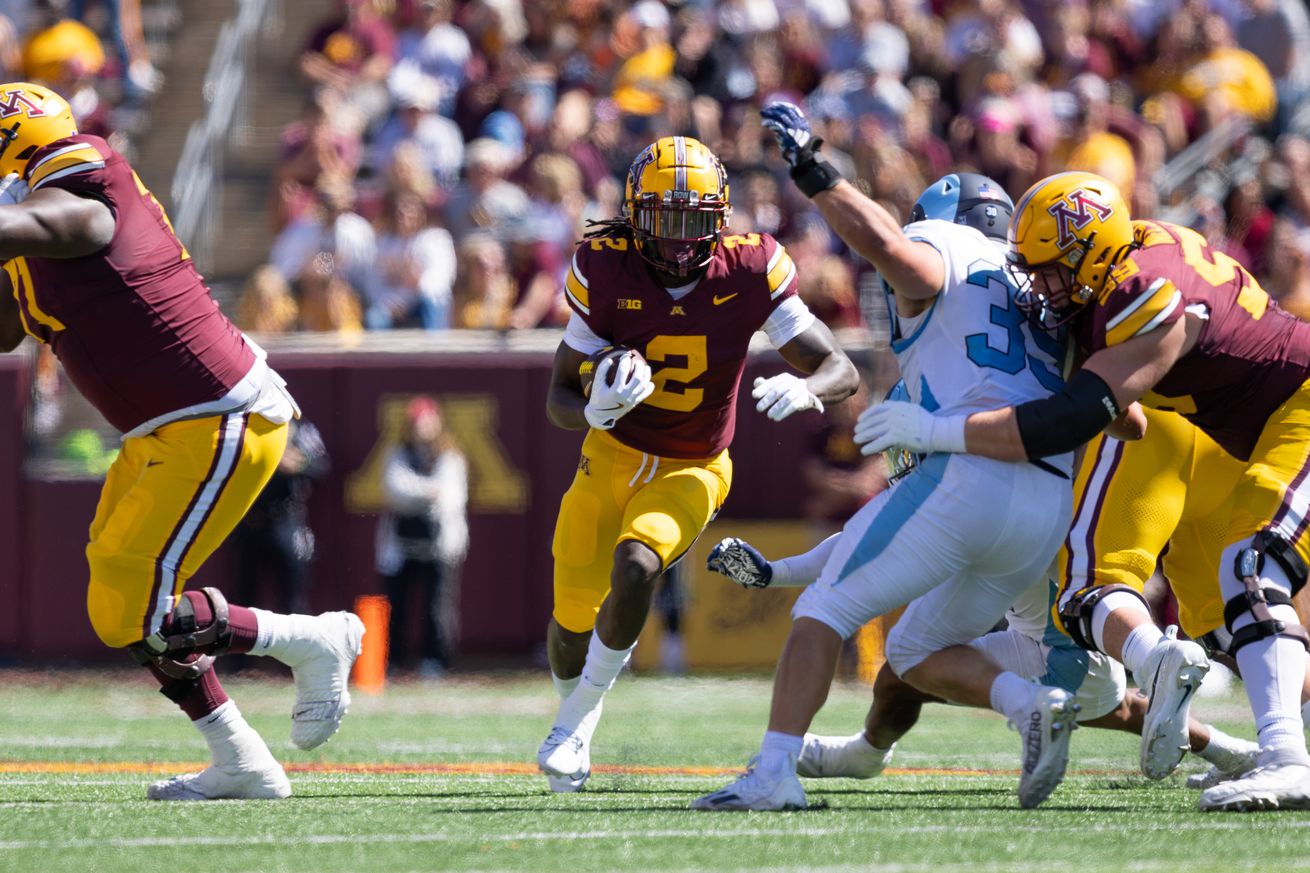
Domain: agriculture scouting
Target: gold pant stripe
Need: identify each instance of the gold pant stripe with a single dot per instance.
(231, 435)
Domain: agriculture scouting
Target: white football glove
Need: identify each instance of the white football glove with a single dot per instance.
(908, 426)
(609, 403)
(781, 395)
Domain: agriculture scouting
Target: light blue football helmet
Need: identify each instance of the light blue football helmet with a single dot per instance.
(967, 198)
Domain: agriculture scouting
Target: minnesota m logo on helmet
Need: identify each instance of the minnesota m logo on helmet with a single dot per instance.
(15, 102)
(1074, 212)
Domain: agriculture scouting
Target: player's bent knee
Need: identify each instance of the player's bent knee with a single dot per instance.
(1264, 609)
(191, 636)
(1076, 611)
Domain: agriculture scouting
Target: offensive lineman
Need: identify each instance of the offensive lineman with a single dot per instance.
(959, 537)
(1160, 316)
(92, 268)
(667, 281)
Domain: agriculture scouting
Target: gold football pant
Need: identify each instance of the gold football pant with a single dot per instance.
(170, 499)
(618, 494)
(1166, 497)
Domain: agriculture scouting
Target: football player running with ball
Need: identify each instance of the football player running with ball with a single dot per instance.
(960, 536)
(92, 268)
(1161, 317)
(682, 298)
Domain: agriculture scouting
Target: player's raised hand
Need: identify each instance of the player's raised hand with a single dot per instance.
(612, 399)
(741, 562)
(781, 395)
(791, 129)
(908, 426)
(799, 147)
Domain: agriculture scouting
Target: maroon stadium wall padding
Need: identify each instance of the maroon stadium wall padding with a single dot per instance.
(520, 466)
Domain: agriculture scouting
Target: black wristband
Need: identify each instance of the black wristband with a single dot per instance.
(812, 174)
(1064, 421)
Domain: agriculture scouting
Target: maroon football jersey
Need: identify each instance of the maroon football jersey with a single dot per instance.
(696, 346)
(1250, 356)
(133, 324)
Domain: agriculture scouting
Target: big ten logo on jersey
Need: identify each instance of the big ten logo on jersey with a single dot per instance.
(496, 486)
(1023, 345)
(629, 303)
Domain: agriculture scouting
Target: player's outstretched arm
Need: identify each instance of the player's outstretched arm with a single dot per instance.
(11, 322)
(565, 403)
(912, 269)
(53, 223)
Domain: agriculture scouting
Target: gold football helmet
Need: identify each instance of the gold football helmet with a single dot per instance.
(676, 201)
(31, 116)
(1068, 231)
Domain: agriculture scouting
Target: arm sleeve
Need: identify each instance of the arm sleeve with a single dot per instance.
(581, 338)
(788, 320)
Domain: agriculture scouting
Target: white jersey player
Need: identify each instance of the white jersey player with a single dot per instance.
(963, 535)
(1030, 646)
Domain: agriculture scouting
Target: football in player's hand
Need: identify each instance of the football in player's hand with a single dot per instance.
(587, 369)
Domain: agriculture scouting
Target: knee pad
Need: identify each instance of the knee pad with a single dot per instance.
(1076, 612)
(1256, 599)
(182, 648)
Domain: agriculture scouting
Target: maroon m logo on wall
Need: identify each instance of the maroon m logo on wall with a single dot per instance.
(1074, 213)
(15, 102)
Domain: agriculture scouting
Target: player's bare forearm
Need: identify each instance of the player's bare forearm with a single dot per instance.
(831, 375)
(995, 434)
(53, 223)
(564, 400)
(11, 321)
(913, 269)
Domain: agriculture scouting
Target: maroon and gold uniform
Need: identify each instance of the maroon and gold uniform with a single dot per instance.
(139, 335)
(663, 471)
(1243, 386)
(696, 345)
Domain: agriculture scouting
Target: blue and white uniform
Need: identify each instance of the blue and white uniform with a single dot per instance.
(966, 534)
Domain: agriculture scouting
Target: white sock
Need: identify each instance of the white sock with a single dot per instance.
(1111, 603)
(1011, 695)
(779, 751)
(1137, 647)
(564, 687)
(279, 633)
(860, 746)
(232, 742)
(1222, 748)
(800, 570)
(598, 674)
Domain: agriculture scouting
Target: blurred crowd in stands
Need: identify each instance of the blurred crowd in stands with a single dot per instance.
(92, 52)
(450, 150)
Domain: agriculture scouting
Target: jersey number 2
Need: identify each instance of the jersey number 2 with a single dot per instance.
(671, 391)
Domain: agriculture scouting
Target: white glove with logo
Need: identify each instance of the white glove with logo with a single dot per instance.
(781, 395)
(908, 426)
(610, 402)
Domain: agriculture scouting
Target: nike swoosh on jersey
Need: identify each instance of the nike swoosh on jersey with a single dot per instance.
(719, 300)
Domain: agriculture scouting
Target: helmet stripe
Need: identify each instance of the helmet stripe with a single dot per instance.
(680, 163)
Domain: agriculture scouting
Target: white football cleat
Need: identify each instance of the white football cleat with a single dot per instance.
(849, 757)
(321, 665)
(1280, 786)
(1174, 670)
(758, 789)
(1233, 766)
(265, 782)
(1045, 730)
(565, 758)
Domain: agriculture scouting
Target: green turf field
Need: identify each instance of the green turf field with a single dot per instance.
(436, 777)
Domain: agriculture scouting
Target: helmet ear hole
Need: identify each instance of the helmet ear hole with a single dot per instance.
(27, 153)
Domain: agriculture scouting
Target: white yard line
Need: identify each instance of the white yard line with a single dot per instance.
(1242, 823)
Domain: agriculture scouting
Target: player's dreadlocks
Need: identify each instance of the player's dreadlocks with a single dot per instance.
(619, 227)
